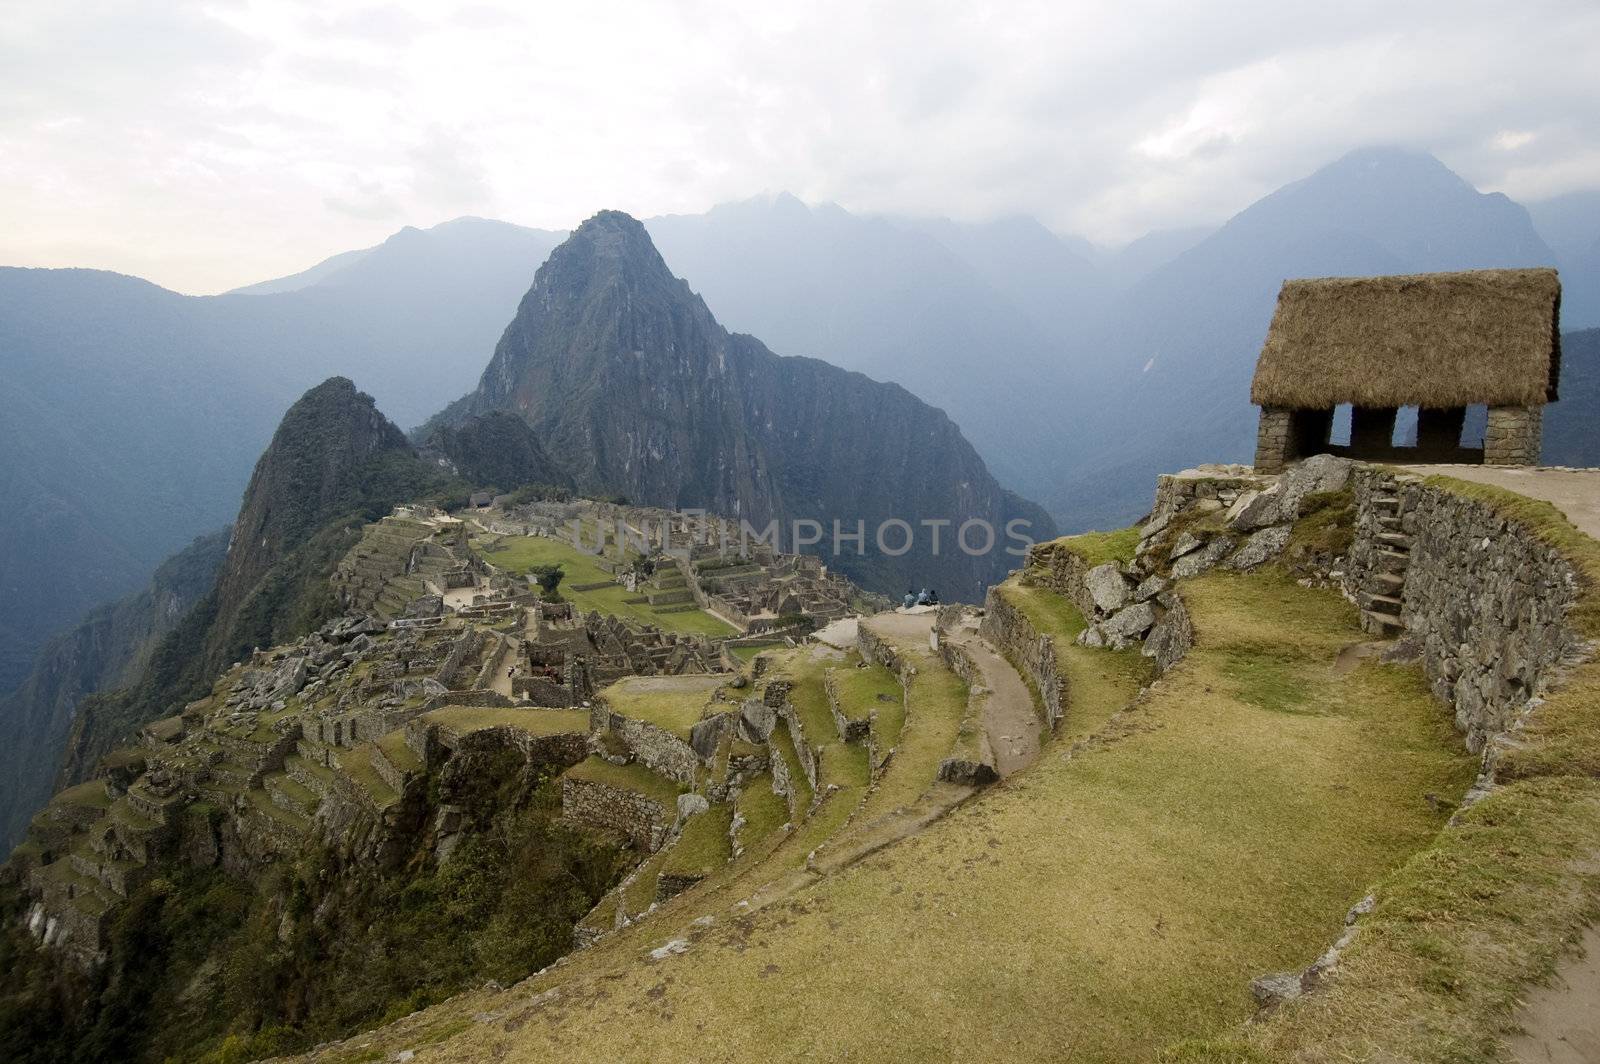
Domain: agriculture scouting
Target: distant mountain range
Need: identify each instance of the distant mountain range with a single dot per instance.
(133, 414)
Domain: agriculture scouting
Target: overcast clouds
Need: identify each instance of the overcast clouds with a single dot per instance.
(209, 145)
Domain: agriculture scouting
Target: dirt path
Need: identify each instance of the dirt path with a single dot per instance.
(1575, 492)
(1009, 716)
(1561, 1020)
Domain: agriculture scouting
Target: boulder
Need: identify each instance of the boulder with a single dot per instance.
(1187, 542)
(1150, 588)
(1171, 638)
(1197, 562)
(757, 719)
(690, 805)
(1127, 626)
(1256, 509)
(1092, 636)
(1107, 587)
(1261, 546)
(1272, 990)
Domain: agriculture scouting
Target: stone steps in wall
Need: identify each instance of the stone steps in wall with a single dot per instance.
(1392, 560)
(1386, 604)
(1380, 623)
(1396, 541)
(1391, 583)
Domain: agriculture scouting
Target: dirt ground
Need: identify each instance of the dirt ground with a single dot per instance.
(1561, 1021)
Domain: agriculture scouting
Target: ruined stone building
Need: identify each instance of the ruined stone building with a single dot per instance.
(1440, 342)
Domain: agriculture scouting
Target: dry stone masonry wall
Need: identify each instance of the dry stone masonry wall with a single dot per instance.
(1484, 598)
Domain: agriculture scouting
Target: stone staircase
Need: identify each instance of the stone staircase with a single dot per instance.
(1381, 596)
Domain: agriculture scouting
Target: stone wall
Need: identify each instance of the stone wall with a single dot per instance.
(1053, 566)
(1034, 655)
(656, 748)
(1484, 597)
(644, 821)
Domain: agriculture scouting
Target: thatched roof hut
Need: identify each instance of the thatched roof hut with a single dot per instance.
(1432, 340)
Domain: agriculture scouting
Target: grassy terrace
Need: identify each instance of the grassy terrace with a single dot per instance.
(764, 811)
(464, 720)
(1097, 548)
(519, 554)
(704, 845)
(1098, 681)
(91, 795)
(357, 764)
(672, 703)
(1111, 902)
(864, 691)
(631, 777)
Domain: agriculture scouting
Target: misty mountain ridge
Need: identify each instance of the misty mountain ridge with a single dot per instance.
(1071, 403)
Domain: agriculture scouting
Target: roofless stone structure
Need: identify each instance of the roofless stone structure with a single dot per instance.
(1438, 341)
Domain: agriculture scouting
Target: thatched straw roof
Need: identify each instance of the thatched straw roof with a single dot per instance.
(1429, 339)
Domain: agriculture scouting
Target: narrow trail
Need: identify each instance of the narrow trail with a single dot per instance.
(1009, 717)
(1561, 1020)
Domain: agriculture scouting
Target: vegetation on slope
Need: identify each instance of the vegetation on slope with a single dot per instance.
(203, 966)
(1460, 932)
(1092, 907)
(523, 554)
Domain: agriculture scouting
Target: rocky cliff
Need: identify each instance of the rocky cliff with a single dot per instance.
(109, 647)
(335, 463)
(497, 450)
(636, 389)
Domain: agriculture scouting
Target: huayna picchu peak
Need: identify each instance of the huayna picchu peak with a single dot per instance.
(632, 386)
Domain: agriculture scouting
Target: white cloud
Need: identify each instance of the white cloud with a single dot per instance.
(209, 144)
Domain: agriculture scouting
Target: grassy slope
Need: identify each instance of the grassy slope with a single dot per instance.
(465, 719)
(1440, 968)
(518, 554)
(1116, 898)
(672, 703)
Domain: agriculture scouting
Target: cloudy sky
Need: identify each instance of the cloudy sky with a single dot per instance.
(212, 144)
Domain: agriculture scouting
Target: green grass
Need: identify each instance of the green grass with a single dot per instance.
(631, 777)
(519, 554)
(398, 753)
(782, 745)
(858, 690)
(1097, 548)
(357, 764)
(672, 703)
(464, 720)
(704, 845)
(91, 795)
(936, 702)
(1115, 899)
(763, 810)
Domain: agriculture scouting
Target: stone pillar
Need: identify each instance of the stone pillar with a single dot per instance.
(1439, 433)
(1371, 430)
(1272, 440)
(1515, 435)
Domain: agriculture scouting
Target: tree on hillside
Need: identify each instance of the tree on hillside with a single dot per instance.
(549, 579)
